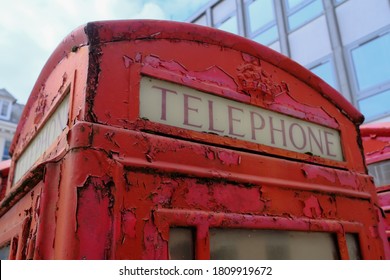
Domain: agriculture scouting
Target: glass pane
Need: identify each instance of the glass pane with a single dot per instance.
(372, 62)
(291, 4)
(261, 12)
(201, 21)
(229, 25)
(325, 71)
(305, 14)
(336, 2)
(268, 36)
(181, 244)
(4, 108)
(7, 145)
(375, 105)
(353, 246)
(4, 252)
(381, 173)
(253, 244)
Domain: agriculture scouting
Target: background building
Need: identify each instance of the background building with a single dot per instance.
(10, 112)
(345, 42)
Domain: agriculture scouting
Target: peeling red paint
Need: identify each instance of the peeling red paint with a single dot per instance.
(376, 143)
(94, 195)
(312, 172)
(128, 221)
(312, 208)
(114, 184)
(229, 158)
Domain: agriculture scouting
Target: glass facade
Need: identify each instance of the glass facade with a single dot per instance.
(360, 61)
(229, 25)
(300, 12)
(371, 61)
(326, 72)
(371, 65)
(261, 24)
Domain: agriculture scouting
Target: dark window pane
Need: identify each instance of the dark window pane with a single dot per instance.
(271, 244)
(181, 244)
(4, 108)
(7, 145)
(353, 246)
(4, 252)
(372, 62)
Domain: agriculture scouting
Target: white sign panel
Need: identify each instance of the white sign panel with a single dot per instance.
(176, 105)
(43, 140)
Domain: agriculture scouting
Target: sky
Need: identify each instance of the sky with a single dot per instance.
(30, 30)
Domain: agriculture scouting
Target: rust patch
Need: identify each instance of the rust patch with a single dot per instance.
(95, 55)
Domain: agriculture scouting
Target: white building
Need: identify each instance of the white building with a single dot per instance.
(10, 112)
(345, 42)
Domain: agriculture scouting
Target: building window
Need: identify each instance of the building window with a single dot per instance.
(381, 173)
(300, 12)
(5, 109)
(224, 16)
(337, 2)
(7, 145)
(229, 25)
(325, 71)
(261, 23)
(370, 61)
(202, 20)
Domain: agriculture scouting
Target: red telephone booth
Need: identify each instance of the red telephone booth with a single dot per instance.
(376, 143)
(162, 140)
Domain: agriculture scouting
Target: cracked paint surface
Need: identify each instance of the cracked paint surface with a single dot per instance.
(113, 184)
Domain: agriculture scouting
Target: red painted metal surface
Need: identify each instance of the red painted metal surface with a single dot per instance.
(376, 144)
(103, 182)
(4, 171)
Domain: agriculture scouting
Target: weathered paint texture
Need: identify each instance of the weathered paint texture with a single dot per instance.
(113, 184)
(376, 143)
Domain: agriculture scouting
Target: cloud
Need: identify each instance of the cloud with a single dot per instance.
(150, 11)
(31, 30)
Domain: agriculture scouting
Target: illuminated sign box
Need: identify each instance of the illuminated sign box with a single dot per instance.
(176, 105)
